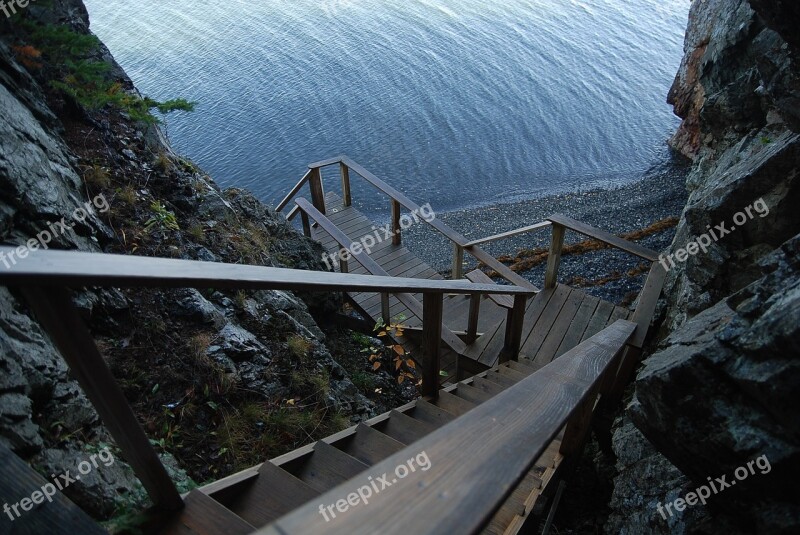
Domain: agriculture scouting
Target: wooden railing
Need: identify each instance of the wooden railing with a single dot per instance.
(44, 276)
(477, 460)
(398, 201)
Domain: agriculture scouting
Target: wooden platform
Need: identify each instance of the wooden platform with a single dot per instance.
(556, 320)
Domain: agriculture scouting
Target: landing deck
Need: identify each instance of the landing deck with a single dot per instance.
(556, 320)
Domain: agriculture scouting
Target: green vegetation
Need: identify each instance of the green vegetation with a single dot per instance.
(69, 61)
(162, 218)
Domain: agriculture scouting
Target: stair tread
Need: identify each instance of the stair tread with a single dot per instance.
(202, 515)
(521, 367)
(272, 494)
(453, 404)
(487, 385)
(503, 380)
(430, 413)
(514, 374)
(370, 446)
(472, 394)
(404, 428)
(325, 467)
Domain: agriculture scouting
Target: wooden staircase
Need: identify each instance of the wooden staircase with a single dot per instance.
(496, 442)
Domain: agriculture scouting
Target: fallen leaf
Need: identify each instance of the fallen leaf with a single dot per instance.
(399, 350)
(376, 365)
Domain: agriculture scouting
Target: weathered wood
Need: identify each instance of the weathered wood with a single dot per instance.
(479, 277)
(454, 404)
(404, 428)
(326, 162)
(369, 446)
(56, 313)
(273, 493)
(515, 321)
(54, 515)
(509, 234)
(431, 414)
(78, 269)
(431, 344)
(347, 199)
(317, 191)
(396, 234)
(205, 516)
(605, 237)
(474, 314)
(501, 269)
(554, 257)
(385, 313)
(306, 224)
(457, 269)
(326, 467)
(292, 213)
(648, 299)
(294, 191)
(520, 422)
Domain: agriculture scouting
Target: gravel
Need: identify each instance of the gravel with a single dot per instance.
(659, 194)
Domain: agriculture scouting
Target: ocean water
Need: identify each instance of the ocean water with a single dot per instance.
(454, 102)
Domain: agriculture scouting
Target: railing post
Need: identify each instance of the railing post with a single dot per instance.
(554, 257)
(347, 199)
(457, 271)
(396, 240)
(306, 223)
(385, 314)
(514, 326)
(54, 310)
(432, 306)
(317, 192)
(474, 312)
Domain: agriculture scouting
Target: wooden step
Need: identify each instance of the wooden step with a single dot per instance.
(487, 385)
(453, 404)
(521, 367)
(503, 380)
(514, 506)
(369, 446)
(427, 412)
(513, 374)
(472, 394)
(404, 428)
(273, 493)
(203, 515)
(325, 467)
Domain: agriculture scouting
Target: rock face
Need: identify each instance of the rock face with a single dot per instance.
(719, 389)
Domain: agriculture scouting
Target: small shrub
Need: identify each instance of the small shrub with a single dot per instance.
(162, 219)
(127, 195)
(97, 176)
(299, 346)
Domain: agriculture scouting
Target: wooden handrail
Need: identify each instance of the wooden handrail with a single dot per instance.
(295, 190)
(78, 269)
(605, 237)
(509, 234)
(475, 461)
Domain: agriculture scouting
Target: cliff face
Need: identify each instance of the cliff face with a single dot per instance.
(249, 353)
(719, 390)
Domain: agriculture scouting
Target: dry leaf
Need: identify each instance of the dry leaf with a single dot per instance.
(401, 378)
(399, 350)
(376, 365)
(411, 363)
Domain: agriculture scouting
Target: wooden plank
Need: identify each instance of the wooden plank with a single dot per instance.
(540, 330)
(521, 367)
(474, 315)
(396, 237)
(431, 344)
(294, 191)
(55, 514)
(579, 323)
(326, 467)
(487, 385)
(205, 516)
(535, 309)
(514, 327)
(345, 172)
(368, 445)
(648, 299)
(605, 237)
(547, 351)
(78, 269)
(404, 428)
(599, 320)
(453, 404)
(325, 163)
(554, 257)
(511, 374)
(478, 276)
(429, 413)
(317, 191)
(520, 422)
(457, 267)
(274, 493)
(472, 394)
(55, 312)
(509, 234)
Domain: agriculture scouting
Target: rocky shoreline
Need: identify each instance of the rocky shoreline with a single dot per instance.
(659, 194)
